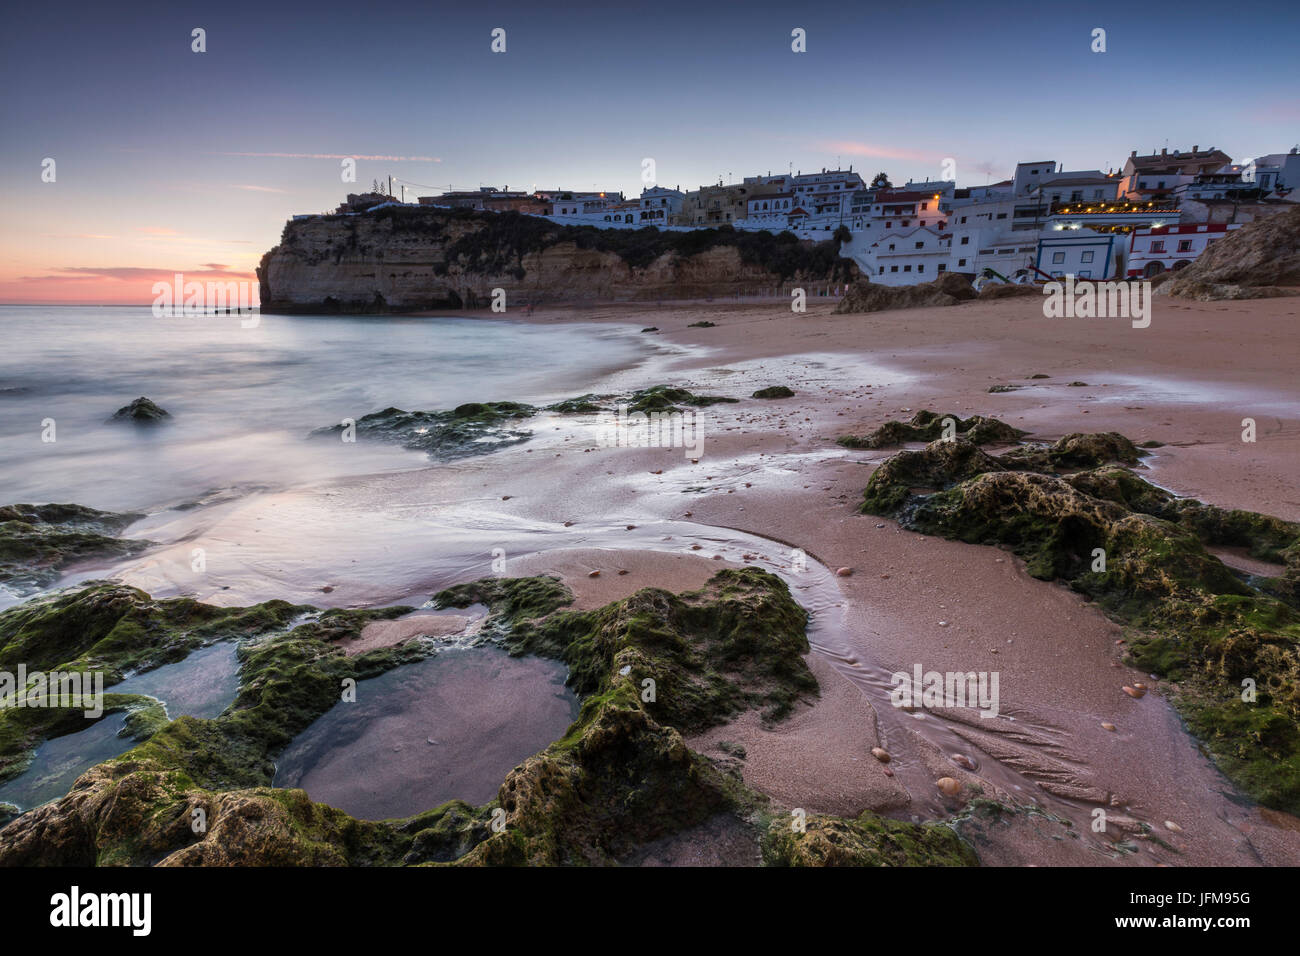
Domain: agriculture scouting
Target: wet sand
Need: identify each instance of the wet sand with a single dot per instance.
(561, 505)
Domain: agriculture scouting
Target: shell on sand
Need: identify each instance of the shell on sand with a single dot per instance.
(949, 786)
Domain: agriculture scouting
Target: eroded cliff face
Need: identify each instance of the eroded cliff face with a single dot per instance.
(406, 259)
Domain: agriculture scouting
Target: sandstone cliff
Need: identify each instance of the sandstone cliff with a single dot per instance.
(401, 259)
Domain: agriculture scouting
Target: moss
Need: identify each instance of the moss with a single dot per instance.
(471, 429)
(621, 776)
(582, 405)
(1199, 622)
(867, 841)
(667, 398)
(38, 541)
(774, 391)
(928, 426)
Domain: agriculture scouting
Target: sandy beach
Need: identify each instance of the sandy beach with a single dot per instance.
(772, 469)
(770, 484)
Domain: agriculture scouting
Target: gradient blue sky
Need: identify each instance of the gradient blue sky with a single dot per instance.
(167, 159)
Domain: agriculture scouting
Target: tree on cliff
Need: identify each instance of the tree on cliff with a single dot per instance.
(881, 181)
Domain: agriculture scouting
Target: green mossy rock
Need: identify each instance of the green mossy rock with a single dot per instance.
(867, 841)
(928, 426)
(471, 429)
(1204, 625)
(774, 391)
(38, 541)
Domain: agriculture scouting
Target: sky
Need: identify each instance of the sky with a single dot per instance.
(167, 160)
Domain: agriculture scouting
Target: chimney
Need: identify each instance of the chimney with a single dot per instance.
(1164, 152)
(1196, 149)
(1134, 153)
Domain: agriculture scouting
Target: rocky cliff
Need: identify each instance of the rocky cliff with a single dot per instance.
(401, 259)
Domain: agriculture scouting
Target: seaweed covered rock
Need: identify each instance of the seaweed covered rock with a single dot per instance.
(38, 541)
(1142, 555)
(471, 429)
(774, 391)
(867, 841)
(1077, 450)
(141, 412)
(667, 398)
(926, 425)
(936, 466)
(736, 644)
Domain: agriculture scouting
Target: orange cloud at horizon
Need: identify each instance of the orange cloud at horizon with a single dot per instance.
(115, 285)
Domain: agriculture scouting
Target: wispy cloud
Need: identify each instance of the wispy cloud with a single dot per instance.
(256, 189)
(853, 148)
(209, 270)
(390, 159)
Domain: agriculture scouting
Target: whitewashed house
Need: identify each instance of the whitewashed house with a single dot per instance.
(1153, 251)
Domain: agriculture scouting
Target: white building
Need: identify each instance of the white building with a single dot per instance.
(1277, 174)
(1083, 254)
(659, 204)
(1153, 251)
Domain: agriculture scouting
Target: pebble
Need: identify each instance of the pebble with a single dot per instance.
(1107, 726)
(949, 786)
(843, 572)
(594, 574)
(622, 571)
(943, 623)
(1135, 692)
(888, 772)
(1173, 827)
(327, 589)
(881, 754)
(962, 760)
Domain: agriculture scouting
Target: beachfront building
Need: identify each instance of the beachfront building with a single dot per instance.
(1157, 175)
(622, 213)
(1170, 248)
(1276, 175)
(658, 205)
(1083, 254)
(772, 211)
(907, 257)
(570, 205)
(1120, 215)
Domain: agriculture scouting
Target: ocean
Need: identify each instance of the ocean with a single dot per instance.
(243, 400)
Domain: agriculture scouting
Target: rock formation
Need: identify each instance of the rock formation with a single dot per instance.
(397, 259)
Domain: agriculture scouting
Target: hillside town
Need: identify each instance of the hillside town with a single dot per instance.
(1154, 215)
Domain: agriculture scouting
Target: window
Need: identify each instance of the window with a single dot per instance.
(1184, 245)
(921, 267)
(924, 206)
(889, 225)
(882, 271)
(1158, 245)
(961, 262)
(963, 219)
(920, 245)
(893, 268)
(965, 240)
(1086, 257)
(907, 268)
(1002, 215)
(907, 222)
(1058, 257)
(1085, 273)
(891, 247)
(943, 267)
